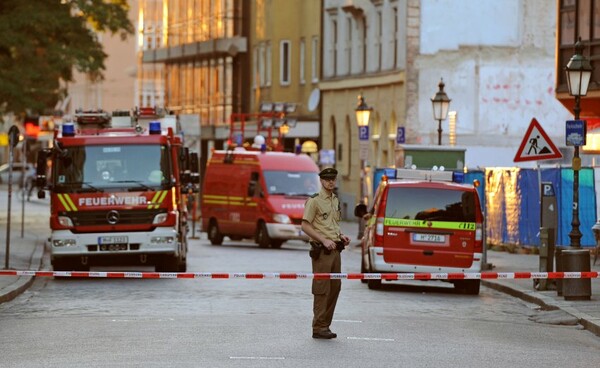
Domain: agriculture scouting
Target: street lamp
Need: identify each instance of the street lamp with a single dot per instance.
(363, 113)
(579, 73)
(575, 259)
(441, 104)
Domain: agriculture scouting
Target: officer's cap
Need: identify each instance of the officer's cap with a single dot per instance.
(328, 173)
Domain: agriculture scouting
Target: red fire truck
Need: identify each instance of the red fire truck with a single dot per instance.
(117, 190)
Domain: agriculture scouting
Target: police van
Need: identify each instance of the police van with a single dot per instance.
(424, 221)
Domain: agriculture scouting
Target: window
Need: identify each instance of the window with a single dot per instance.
(302, 60)
(285, 62)
(268, 68)
(313, 59)
(261, 63)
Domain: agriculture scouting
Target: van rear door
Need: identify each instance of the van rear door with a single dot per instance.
(430, 224)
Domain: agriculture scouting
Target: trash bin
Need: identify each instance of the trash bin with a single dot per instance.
(576, 260)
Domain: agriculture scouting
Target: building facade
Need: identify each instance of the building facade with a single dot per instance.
(286, 48)
(366, 53)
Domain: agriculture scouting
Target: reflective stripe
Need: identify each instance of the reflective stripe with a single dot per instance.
(469, 226)
(158, 198)
(67, 202)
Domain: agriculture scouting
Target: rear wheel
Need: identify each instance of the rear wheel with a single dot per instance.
(470, 287)
(374, 284)
(214, 235)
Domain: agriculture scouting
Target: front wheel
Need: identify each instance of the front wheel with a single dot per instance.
(262, 236)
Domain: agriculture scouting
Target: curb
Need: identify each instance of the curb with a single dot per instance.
(588, 322)
(24, 282)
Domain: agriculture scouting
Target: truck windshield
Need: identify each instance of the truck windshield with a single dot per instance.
(111, 167)
(431, 204)
(292, 183)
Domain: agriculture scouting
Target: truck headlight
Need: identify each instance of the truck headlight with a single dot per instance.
(162, 240)
(65, 221)
(281, 218)
(64, 242)
(160, 218)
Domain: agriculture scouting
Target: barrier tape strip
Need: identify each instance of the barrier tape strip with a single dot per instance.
(316, 276)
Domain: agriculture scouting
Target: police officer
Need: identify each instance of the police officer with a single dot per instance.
(321, 222)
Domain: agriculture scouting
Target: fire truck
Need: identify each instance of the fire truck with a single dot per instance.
(118, 184)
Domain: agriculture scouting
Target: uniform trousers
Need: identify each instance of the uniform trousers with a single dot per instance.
(325, 292)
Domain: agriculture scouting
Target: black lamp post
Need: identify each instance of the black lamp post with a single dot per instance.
(441, 105)
(579, 73)
(575, 259)
(363, 114)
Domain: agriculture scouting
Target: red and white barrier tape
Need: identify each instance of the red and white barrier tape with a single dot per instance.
(317, 276)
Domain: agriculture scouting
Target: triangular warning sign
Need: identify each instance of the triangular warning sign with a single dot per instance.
(536, 145)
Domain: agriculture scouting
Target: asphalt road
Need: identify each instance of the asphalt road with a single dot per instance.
(266, 323)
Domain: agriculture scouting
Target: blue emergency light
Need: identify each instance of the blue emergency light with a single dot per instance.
(68, 129)
(154, 127)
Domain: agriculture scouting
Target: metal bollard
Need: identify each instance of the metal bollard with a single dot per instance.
(559, 268)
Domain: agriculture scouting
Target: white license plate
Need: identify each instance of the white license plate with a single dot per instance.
(429, 238)
(113, 240)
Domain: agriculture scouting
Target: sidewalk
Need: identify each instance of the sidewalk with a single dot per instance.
(26, 254)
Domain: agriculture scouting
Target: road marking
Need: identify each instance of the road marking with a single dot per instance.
(368, 338)
(257, 358)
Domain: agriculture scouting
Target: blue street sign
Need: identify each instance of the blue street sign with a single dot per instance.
(400, 137)
(575, 132)
(363, 133)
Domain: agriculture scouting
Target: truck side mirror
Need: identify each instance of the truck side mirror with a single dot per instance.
(194, 168)
(360, 210)
(42, 167)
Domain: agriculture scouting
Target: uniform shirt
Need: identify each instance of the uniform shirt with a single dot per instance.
(323, 212)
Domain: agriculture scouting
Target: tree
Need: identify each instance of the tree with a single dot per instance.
(43, 41)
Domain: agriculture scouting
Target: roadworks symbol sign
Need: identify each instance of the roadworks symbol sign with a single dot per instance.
(536, 145)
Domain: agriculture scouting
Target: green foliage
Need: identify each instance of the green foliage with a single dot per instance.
(43, 41)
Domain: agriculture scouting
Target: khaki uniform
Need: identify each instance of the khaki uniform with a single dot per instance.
(323, 212)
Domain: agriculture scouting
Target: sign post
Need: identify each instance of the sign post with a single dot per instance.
(13, 140)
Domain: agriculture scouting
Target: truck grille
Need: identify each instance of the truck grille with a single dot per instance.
(125, 217)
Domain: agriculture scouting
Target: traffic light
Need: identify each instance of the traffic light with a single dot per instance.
(32, 126)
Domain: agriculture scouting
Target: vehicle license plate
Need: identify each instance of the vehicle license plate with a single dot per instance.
(429, 238)
(113, 240)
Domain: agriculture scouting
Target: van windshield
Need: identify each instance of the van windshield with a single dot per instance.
(431, 204)
(292, 183)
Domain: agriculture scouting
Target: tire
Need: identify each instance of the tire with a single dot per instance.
(169, 264)
(363, 269)
(469, 287)
(262, 236)
(374, 284)
(276, 243)
(214, 235)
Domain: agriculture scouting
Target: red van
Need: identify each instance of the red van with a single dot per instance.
(257, 195)
(422, 221)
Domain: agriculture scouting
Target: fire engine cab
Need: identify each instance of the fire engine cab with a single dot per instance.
(117, 186)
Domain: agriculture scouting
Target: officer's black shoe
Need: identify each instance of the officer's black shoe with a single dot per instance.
(323, 335)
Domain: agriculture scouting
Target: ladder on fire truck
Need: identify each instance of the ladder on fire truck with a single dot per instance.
(244, 126)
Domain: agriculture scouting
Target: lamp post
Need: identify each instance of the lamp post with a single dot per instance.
(579, 73)
(363, 113)
(441, 104)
